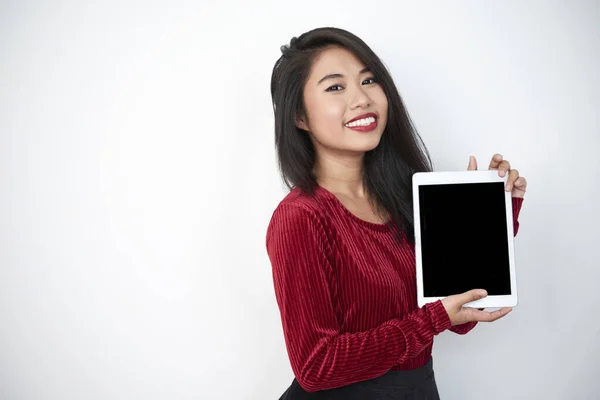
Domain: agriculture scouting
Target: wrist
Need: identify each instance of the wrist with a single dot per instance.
(440, 319)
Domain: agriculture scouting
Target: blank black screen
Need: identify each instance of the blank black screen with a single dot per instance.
(464, 238)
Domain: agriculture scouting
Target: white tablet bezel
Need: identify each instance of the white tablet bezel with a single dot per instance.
(433, 178)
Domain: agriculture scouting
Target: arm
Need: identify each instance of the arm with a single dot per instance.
(517, 203)
(320, 355)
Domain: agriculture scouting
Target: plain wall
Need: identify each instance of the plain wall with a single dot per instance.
(138, 176)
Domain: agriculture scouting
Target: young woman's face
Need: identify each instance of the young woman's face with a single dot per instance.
(346, 108)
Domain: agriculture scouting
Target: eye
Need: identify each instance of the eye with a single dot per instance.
(332, 88)
(373, 80)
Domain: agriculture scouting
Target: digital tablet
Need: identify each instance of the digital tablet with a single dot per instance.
(464, 237)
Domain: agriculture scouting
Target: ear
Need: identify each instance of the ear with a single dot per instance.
(301, 123)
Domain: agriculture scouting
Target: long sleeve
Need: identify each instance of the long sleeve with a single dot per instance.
(517, 203)
(321, 356)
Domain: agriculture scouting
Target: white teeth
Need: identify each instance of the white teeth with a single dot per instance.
(361, 122)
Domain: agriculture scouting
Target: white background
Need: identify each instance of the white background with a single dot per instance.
(138, 177)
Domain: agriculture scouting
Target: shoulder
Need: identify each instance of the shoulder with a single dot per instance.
(299, 203)
(297, 213)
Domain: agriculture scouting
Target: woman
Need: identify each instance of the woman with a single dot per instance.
(341, 243)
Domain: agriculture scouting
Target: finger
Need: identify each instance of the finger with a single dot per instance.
(496, 315)
(503, 168)
(520, 188)
(521, 184)
(485, 316)
(471, 295)
(472, 164)
(513, 175)
(496, 160)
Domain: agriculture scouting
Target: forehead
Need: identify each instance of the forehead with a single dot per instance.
(335, 60)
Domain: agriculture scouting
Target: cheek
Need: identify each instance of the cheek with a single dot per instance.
(324, 112)
(382, 103)
(332, 111)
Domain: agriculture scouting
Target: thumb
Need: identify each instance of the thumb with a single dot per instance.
(472, 164)
(472, 295)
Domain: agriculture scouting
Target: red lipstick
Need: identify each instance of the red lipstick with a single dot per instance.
(363, 128)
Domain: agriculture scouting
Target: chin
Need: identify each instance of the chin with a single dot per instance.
(366, 144)
(349, 144)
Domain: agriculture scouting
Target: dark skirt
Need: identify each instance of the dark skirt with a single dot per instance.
(416, 384)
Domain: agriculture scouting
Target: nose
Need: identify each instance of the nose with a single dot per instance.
(360, 99)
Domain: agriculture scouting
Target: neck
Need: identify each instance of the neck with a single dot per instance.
(341, 174)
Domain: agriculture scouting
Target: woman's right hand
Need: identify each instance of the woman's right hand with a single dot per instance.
(459, 314)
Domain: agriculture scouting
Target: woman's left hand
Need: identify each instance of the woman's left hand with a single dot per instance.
(515, 184)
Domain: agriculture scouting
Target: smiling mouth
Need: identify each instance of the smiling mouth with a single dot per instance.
(361, 122)
(367, 123)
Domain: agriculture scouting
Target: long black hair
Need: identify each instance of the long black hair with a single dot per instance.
(388, 169)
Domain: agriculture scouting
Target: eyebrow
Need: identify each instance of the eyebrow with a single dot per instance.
(333, 76)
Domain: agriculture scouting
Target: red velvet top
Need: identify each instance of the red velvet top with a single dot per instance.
(346, 290)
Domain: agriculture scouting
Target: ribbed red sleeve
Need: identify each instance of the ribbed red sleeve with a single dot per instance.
(322, 357)
(517, 202)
